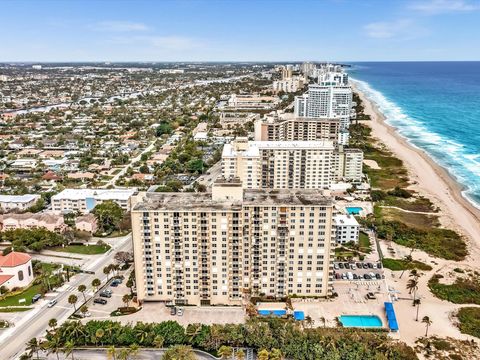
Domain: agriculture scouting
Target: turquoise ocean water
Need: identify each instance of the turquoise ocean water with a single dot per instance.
(436, 107)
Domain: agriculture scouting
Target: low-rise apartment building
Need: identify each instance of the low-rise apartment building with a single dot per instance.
(201, 248)
(17, 202)
(84, 200)
(347, 229)
(49, 221)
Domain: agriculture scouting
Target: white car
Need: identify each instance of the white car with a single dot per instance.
(52, 303)
(180, 311)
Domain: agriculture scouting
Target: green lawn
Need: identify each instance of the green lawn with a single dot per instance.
(462, 291)
(469, 321)
(27, 295)
(400, 264)
(83, 249)
(15, 309)
(364, 242)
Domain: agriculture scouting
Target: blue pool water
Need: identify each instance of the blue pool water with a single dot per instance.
(436, 107)
(362, 321)
(299, 315)
(272, 312)
(353, 210)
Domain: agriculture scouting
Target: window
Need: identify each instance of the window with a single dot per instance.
(20, 275)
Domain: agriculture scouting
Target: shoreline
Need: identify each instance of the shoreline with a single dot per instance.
(431, 179)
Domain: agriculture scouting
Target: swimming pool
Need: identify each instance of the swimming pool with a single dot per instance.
(354, 210)
(362, 321)
(272, 312)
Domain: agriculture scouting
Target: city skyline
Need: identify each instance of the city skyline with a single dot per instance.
(333, 30)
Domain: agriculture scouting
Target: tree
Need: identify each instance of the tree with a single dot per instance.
(309, 321)
(407, 261)
(158, 341)
(107, 270)
(126, 299)
(416, 303)
(99, 334)
(263, 355)
(84, 310)
(225, 352)
(112, 353)
(68, 348)
(412, 286)
(96, 283)
(275, 354)
(426, 320)
(123, 257)
(52, 346)
(33, 346)
(179, 352)
(72, 299)
(323, 320)
(82, 288)
(108, 215)
(52, 323)
(134, 348)
(240, 354)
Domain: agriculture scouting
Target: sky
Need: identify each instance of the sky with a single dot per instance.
(239, 30)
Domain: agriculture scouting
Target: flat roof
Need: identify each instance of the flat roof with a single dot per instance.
(18, 198)
(187, 200)
(100, 194)
(254, 147)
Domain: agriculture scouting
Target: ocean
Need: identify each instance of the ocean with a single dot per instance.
(436, 107)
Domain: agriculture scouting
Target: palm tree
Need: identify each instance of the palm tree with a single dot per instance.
(225, 352)
(323, 320)
(275, 354)
(124, 354)
(192, 331)
(52, 323)
(84, 309)
(52, 346)
(111, 353)
(426, 320)
(240, 354)
(126, 299)
(178, 352)
(33, 346)
(72, 299)
(134, 348)
(158, 341)
(96, 283)
(412, 286)
(107, 270)
(263, 355)
(99, 335)
(82, 288)
(407, 260)
(416, 303)
(68, 348)
(309, 321)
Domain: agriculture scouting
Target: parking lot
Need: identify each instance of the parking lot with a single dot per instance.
(360, 270)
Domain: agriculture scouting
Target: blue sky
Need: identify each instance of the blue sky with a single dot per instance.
(239, 30)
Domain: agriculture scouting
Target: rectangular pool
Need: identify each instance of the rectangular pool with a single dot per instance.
(361, 321)
(354, 210)
(272, 312)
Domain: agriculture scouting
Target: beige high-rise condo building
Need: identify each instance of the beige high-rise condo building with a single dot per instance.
(278, 126)
(201, 248)
(279, 164)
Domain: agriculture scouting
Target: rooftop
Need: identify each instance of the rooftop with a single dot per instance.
(187, 200)
(100, 194)
(253, 147)
(14, 259)
(18, 198)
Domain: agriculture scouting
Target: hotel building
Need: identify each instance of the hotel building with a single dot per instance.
(212, 249)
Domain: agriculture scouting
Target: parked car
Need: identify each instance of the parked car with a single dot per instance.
(340, 265)
(347, 266)
(180, 312)
(353, 267)
(378, 276)
(374, 265)
(107, 291)
(52, 303)
(335, 266)
(105, 294)
(370, 296)
(355, 277)
(114, 284)
(85, 315)
(338, 276)
(344, 276)
(36, 297)
(370, 265)
(366, 277)
(173, 310)
(359, 265)
(365, 266)
(379, 265)
(100, 301)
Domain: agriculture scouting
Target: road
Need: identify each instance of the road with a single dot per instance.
(122, 172)
(12, 342)
(213, 173)
(144, 354)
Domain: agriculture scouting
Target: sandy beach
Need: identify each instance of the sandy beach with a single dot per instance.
(431, 180)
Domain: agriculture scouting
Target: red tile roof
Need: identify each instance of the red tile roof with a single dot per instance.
(14, 259)
(4, 278)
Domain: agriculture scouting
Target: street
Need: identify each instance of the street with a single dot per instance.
(35, 324)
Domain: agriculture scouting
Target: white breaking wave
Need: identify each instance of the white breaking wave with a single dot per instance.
(447, 153)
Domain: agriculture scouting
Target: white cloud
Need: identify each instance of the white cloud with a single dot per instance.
(119, 26)
(389, 29)
(433, 7)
